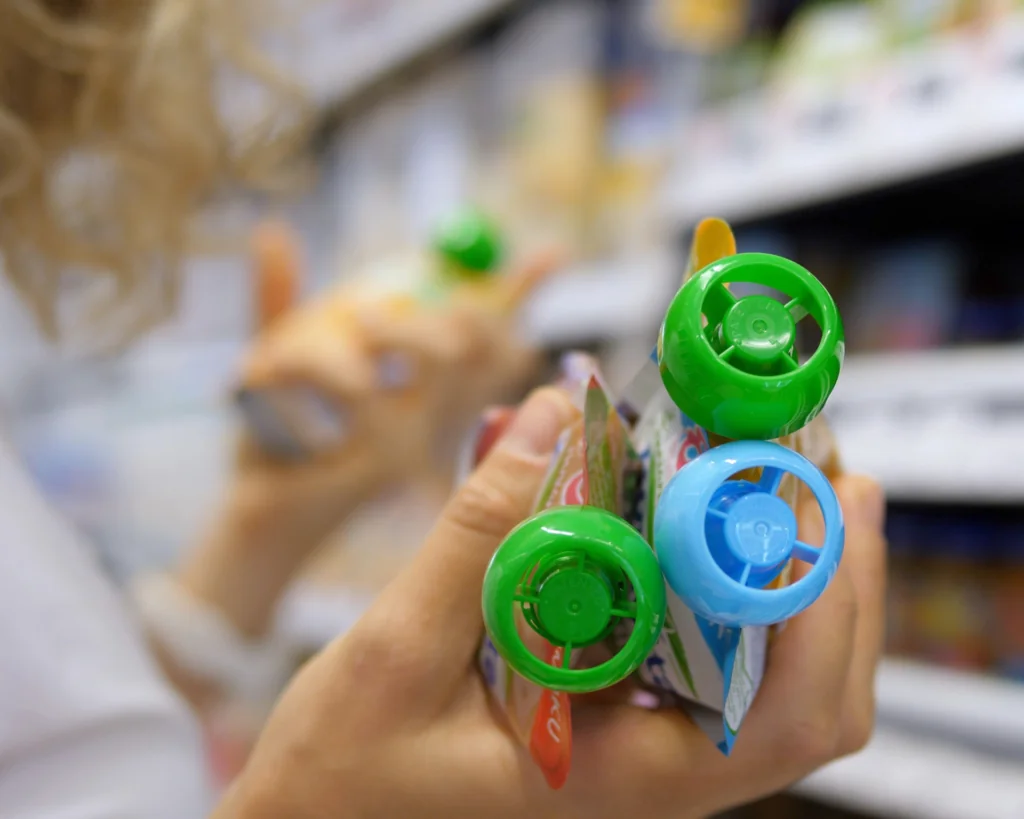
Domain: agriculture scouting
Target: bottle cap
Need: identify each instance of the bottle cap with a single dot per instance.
(470, 244)
(730, 363)
(721, 541)
(574, 573)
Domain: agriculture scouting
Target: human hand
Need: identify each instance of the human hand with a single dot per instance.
(393, 718)
(460, 356)
(403, 376)
(275, 513)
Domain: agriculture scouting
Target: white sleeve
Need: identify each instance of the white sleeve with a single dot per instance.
(136, 766)
(88, 727)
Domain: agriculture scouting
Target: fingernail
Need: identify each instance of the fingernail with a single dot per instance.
(539, 422)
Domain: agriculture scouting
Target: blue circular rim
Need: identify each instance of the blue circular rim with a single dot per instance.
(691, 570)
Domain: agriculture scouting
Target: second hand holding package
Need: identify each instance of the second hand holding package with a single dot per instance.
(666, 531)
(422, 299)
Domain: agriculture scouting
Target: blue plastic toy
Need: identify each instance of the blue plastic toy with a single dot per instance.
(722, 541)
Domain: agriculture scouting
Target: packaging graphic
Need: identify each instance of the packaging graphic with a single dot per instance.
(713, 503)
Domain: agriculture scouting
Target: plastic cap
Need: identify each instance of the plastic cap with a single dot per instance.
(759, 531)
(760, 330)
(722, 541)
(575, 605)
(730, 363)
(569, 572)
(470, 242)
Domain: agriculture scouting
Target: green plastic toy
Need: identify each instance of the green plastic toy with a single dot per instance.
(470, 245)
(569, 572)
(730, 363)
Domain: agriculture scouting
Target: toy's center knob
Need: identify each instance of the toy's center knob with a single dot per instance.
(760, 530)
(575, 605)
(759, 328)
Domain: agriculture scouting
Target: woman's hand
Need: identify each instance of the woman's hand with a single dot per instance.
(393, 719)
(462, 355)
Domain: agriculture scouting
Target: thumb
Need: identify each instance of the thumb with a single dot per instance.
(440, 590)
(278, 270)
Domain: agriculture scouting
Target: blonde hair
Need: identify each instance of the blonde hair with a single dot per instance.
(115, 130)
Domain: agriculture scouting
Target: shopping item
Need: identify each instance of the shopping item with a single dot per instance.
(665, 534)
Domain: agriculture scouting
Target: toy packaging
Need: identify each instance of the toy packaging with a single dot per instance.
(666, 532)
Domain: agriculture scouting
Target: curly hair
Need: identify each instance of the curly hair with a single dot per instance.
(119, 121)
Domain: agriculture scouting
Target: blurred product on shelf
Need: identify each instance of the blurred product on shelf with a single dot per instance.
(906, 298)
(1009, 615)
(561, 125)
(993, 309)
(706, 26)
(828, 43)
(917, 294)
(853, 97)
(548, 99)
(637, 131)
(956, 589)
(819, 78)
(912, 22)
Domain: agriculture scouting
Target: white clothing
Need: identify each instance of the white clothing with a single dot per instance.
(88, 727)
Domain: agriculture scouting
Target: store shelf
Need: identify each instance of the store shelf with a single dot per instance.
(939, 426)
(903, 776)
(950, 745)
(980, 712)
(614, 299)
(758, 158)
(347, 57)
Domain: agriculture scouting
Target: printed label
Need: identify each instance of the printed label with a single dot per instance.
(604, 442)
(667, 666)
(575, 490)
(693, 444)
(491, 666)
(703, 651)
(567, 468)
(747, 670)
(551, 736)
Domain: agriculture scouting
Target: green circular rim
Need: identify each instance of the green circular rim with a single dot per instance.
(732, 402)
(608, 541)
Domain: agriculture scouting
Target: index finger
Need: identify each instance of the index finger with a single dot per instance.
(278, 266)
(517, 286)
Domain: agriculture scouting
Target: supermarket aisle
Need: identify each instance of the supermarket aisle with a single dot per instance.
(881, 144)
